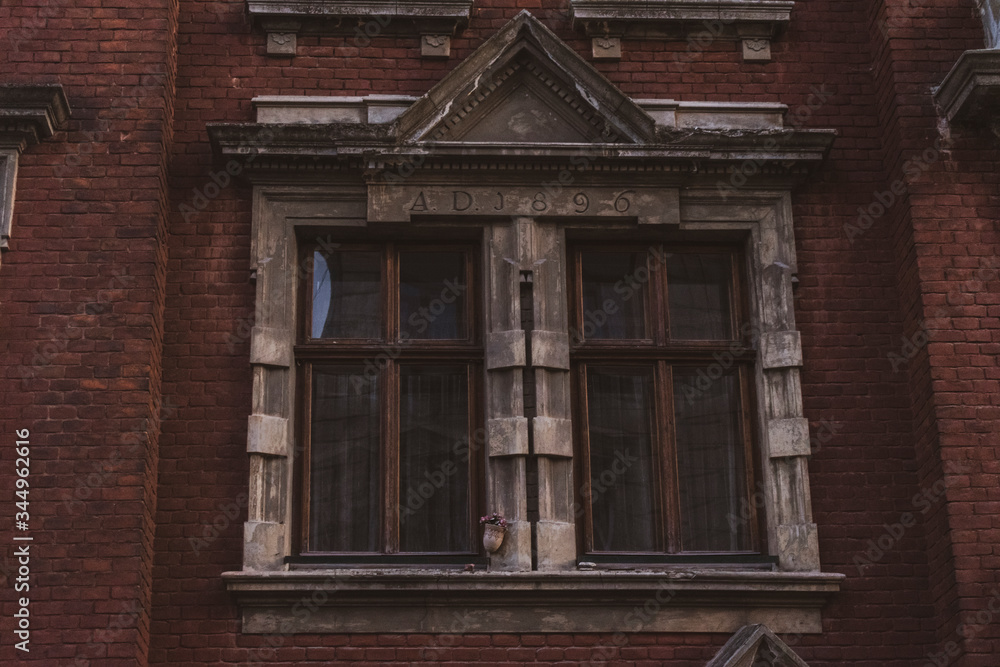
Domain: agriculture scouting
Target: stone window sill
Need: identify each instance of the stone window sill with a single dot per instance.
(970, 93)
(456, 601)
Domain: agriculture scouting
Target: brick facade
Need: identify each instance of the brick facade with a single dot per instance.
(126, 305)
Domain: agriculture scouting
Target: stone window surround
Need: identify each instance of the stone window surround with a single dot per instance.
(322, 166)
(28, 114)
(267, 584)
(787, 600)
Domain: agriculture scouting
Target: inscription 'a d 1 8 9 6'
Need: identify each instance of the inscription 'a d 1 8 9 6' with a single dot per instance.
(394, 203)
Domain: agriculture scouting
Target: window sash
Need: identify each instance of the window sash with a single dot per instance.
(383, 363)
(661, 356)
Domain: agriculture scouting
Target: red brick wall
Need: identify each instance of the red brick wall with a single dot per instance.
(103, 199)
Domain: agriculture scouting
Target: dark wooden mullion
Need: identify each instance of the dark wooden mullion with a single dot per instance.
(752, 466)
(476, 495)
(390, 407)
(668, 458)
(303, 461)
(584, 490)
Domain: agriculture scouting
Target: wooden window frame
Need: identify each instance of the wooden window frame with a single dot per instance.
(310, 352)
(659, 352)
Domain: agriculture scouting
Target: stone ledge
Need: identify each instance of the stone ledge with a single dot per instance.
(728, 19)
(365, 20)
(970, 92)
(420, 600)
(30, 113)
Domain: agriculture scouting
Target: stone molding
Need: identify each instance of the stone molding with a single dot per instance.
(418, 600)
(731, 18)
(970, 92)
(753, 645)
(285, 20)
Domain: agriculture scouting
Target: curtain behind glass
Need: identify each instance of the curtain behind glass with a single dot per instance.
(344, 461)
(710, 464)
(622, 467)
(433, 479)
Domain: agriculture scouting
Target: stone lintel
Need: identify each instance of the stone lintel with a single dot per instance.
(267, 435)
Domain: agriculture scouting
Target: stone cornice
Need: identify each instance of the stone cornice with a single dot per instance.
(730, 18)
(435, 20)
(314, 145)
(30, 113)
(970, 92)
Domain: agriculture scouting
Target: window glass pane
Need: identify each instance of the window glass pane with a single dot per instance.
(614, 285)
(433, 458)
(344, 460)
(991, 20)
(346, 294)
(698, 288)
(622, 471)
(710, 463)
(432, 295)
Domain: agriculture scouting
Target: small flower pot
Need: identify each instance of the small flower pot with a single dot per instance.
(493, 537)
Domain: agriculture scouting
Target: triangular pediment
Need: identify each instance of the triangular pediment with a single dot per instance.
(525, 85)
(755, 645)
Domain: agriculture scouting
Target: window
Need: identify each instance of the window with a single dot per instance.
(392, 362)
(664, 445)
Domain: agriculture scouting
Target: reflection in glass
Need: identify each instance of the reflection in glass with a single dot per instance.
(346, 291)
